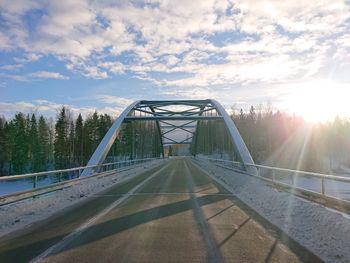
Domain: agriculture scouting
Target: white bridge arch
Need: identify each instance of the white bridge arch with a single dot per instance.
(159, 111)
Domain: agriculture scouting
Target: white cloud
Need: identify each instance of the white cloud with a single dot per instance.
(5, 42)
(47, 75)
(115, 67)
(31, 76)
(50, 109)
(273, 40)
(95, 73)
(118, 101)
(29, 57)
(12, 67)
(194, 93)
(14, 76)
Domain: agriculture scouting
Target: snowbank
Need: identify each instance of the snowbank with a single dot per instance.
(323, 231)
(23, 213)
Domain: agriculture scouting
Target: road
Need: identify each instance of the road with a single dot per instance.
(173, 213)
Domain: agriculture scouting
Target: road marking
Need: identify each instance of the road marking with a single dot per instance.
(160, 193)
(83, 227)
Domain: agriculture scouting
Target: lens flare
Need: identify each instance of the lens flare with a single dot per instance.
(318, 100)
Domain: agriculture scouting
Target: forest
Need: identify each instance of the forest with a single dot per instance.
(279, 139)
(32, 143)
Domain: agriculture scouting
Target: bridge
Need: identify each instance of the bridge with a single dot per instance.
(209, 203)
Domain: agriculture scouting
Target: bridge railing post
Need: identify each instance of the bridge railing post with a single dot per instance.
(35, 181)
(293, 179)
(323, 190)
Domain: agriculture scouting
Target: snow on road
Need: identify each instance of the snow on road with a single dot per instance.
(325, 232)
(23, 213)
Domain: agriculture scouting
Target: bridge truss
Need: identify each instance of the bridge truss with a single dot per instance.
(172, 116)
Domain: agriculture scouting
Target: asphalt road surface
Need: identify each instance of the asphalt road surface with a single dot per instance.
(173, 213)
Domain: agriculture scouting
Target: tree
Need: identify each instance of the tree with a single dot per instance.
(104, 123)
(61, 139)
(44, 150)
(71, 145)
(241, 114)
(9, 139)
(252, 114)
(19, 143)
(33, 144)
(3, 145)
(91, 135)
(52, 134)
(78, 141)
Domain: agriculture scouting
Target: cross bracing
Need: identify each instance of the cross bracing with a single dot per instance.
(174, 118)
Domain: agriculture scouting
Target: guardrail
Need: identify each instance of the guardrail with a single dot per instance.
(288, 177)
(60, 178)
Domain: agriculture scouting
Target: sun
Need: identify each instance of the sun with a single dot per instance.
(318, 100)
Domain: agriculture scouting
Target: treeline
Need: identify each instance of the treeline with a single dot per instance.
(278, 139)
(31, 143)
(26, 144)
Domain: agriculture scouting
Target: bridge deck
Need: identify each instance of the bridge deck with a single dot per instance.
(171, 214)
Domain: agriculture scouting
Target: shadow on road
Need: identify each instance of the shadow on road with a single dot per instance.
(103, 230)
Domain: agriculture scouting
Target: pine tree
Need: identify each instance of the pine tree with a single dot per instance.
(3, 149)
(52, 133)
(252, 133)
(8, 141)
(61, 140)
(241, 114)
(71, 145)
(43, 153)
(78, 141)
(19, 143)
(104, 123)
(33, 147)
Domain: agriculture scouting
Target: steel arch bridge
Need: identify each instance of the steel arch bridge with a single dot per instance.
(167, 114)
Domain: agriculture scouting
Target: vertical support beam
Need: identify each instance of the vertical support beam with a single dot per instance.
(196, 133)
(160, 133)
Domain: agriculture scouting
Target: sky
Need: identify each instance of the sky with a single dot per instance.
(102, 55)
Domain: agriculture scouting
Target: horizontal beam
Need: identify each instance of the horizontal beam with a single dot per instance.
(171, 118)
(171, 143)
(174, 102)
(172, 126)
(168, 103)
(177, 128)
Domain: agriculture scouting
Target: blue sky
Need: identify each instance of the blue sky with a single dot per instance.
(102, 55)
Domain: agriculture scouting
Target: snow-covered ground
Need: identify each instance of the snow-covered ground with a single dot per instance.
(12, 186)
(23, 213)
(323, 231)
(8, 187)
(340, 190)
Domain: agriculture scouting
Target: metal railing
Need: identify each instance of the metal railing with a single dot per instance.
(46, 179)
(320, 184)
(227, 163)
